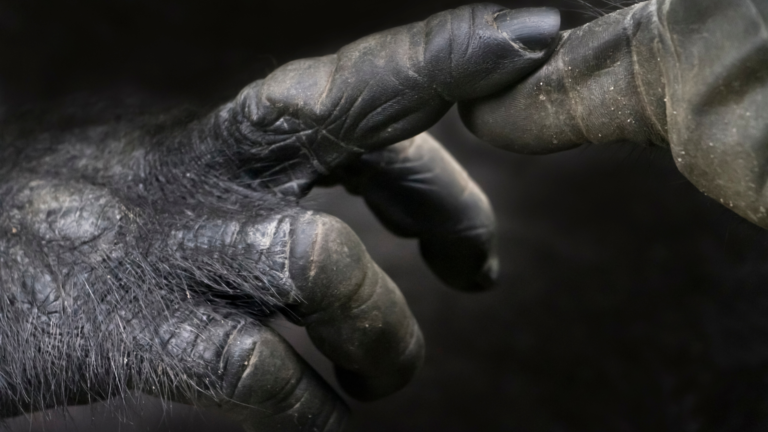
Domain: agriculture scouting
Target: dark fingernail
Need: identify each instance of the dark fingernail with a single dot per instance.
(533, 29)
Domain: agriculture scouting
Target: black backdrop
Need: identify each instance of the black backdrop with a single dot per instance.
(628, 301)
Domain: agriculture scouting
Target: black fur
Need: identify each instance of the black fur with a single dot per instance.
(102, 255)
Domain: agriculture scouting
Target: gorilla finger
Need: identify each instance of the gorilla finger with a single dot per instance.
(319, 113)
(392, 85)
(353, 312)
(417, 189)
(249, 372)
(603, 84)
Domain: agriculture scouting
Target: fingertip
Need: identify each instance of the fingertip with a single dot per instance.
(494, 120)
(368, 388)
(477, 50)
(527, 119)
(525, 39)
(467, 262)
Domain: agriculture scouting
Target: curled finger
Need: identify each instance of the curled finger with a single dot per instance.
(417, 189)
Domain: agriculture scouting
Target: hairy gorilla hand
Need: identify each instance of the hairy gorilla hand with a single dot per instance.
(689, 74)
(141, 253)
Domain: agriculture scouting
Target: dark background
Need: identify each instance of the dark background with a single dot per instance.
(627, 301)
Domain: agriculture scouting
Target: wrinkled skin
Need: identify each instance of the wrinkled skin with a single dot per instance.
(141, 251)
(685, 74)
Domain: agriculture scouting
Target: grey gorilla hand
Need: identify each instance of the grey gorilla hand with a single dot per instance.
(141, 252)
(689, 74)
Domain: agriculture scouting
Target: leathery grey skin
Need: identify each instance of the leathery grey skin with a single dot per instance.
(142, 250)
(688, 74)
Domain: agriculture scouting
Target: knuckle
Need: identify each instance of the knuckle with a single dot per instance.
(234, 260)
(276, 387)
(301, 88)
(328, 260)
(320, 239)
(463, 48)
(68, 213)
(269, 385)
(259, 369)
